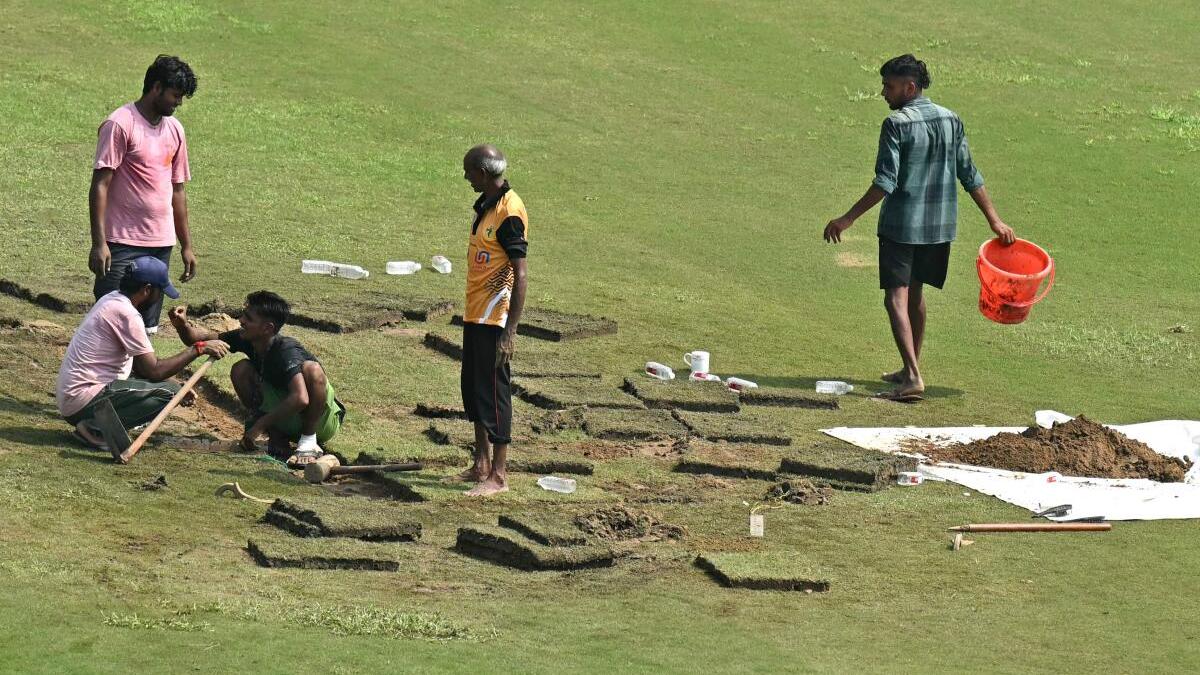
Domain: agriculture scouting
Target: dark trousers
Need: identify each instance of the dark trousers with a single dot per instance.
(122, 256)
(486, 389)
(135, 401)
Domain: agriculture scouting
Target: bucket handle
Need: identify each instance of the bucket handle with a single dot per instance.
(1027, 303)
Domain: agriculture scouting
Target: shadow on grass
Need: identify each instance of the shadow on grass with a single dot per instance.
(862, 388)
(22, 406)
(88, 455)
(38, 436)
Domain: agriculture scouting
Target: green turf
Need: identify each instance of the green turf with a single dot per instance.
(544, 529)
(351, 517)
(513, 548)
(558, 393)
(682, 394)
(678, 161)
(777, 571)
(632, 425)
(272, 549)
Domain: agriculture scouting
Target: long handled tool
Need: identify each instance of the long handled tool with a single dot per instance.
(1034, 527)
(124, 457)
(325, 466)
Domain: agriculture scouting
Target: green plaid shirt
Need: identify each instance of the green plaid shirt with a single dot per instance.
(922, 150)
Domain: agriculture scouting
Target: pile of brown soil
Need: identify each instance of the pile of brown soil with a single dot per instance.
(1080, 447)
(618, 523)
(800, 492)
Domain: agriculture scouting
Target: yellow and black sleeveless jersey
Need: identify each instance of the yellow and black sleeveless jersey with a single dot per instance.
(498, 236)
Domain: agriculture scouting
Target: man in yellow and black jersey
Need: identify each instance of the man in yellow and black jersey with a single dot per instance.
(495, 296)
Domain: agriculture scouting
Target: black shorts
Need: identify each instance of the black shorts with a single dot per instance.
(123, 256)
(486, 389)
(901, 265)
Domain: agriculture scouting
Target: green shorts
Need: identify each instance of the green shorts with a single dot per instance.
(327, 428)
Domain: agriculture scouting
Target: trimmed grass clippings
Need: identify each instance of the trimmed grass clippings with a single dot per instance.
(513, 549)
(768, 571)
(683, 395)
(559, 394)
(786, 397)
(731, 428)
(543, 529)
(632, 425)
(846, 467)
(349, 517)
(323, 554)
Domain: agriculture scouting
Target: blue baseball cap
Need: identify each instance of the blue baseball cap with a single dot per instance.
(150, 270)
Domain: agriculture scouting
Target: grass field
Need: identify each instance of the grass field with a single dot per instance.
(679, 161)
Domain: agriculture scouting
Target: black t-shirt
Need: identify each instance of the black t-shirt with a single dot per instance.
(283, 360)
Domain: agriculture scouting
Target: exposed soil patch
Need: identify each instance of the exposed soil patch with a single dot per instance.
(730, 469)
(601, 450)
(650, 492)
(555, 421)
(619, 523)
(800, 491)
(1080, 447)
(380, 487)
(205, 416)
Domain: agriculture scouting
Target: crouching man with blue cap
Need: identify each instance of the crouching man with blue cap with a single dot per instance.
(109, 345)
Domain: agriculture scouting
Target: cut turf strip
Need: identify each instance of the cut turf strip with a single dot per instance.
(551, 466)
(513, 549)
(683, 395)
(731, 428)
(348, 517)
(444, 345)
(846, 467)
(633, 425)
(561, 393)
(323, 554)
(451, 432)
(367, 310)
(545, 530)
(775, 571)
(788, 398)
(440, 411)
(725, 469)
(545, 324)
(51, 302)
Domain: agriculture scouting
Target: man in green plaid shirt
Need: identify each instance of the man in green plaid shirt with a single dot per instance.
(922, 152)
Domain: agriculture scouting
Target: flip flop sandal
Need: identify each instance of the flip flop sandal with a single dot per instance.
(86, 443)
(302, 458)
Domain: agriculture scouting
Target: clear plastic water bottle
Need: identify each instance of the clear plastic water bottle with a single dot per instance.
(738, 384)
(704, 377)
(833, 387)
(656, 369)
(403, 267)
(441, 264)
(333, 269)
(556, 484)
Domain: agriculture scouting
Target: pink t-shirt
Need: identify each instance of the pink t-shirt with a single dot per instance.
(101, 351)
(148, 160)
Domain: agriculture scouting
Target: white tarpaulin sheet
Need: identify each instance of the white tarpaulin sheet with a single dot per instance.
(1111, 498)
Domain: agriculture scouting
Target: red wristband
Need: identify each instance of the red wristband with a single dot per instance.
(199, 345)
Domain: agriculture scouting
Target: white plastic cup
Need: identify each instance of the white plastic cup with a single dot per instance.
(403, 267)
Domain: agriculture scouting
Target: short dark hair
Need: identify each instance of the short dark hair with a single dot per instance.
(907, 65)
(129, 285)
(171, 73)
(269, 306)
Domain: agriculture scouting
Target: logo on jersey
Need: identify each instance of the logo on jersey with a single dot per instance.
(488, 234)
(483, 258)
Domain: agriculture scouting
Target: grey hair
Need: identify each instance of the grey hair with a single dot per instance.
(493, 166)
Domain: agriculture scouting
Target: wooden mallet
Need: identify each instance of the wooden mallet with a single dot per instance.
(124, 457)
(320, 469)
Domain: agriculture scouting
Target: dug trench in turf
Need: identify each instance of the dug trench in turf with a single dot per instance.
(846, 467)
(545, 529)
(72, 305)
(513, 549)
(780, 571)
(544, 324)
(683, 395)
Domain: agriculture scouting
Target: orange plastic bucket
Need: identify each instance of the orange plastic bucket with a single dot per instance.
(1009, 277)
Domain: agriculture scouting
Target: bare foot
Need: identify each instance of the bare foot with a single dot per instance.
(474, 474)
(489, 487)
(895, 377)
(906, 392)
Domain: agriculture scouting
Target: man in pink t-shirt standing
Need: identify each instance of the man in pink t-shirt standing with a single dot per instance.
(138, 202)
